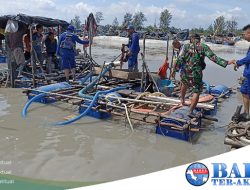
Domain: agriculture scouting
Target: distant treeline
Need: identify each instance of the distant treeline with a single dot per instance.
(220, 26)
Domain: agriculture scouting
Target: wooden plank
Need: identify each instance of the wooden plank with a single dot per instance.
(121, 74)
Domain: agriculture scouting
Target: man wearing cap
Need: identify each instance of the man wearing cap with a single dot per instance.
(134, 48)
(66, 50)
(192, 54)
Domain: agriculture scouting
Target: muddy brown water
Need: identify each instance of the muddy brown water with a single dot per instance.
(102, 150)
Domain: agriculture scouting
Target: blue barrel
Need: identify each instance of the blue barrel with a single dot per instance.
(181, 113)
(2, 59)
(219, 89)
(52, 87)
(166, 86)
(167, 130)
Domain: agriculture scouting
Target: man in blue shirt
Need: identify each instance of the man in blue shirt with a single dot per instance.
(66, 50)
(245, 88)
(134, 48)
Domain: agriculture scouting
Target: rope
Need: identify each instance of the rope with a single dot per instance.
(127, 115)
(240, 130)
(144, 94)
(158, 94)
(125, 106)
(239, 133)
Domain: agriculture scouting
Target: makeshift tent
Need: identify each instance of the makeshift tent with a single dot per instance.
(31, 21)
(28, 20)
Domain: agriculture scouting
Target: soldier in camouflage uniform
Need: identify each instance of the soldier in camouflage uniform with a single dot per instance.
(191, 60)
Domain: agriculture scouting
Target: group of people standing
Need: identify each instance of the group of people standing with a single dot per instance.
(18, 45)
(190, 61)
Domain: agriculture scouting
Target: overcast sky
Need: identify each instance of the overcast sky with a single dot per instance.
(186, 13)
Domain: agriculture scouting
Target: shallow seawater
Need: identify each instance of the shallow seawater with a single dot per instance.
(103, 150)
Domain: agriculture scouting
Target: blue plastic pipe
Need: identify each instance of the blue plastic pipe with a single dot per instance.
(82, 93)
(47, 88)
(37, 97)
(90, 105)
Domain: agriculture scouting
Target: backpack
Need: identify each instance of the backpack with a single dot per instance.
(68, 43)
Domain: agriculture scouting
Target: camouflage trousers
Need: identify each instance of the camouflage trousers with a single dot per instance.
(192, 79)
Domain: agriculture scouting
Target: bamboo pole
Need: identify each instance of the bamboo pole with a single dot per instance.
(148, 71)
(199, 105)
(171, 125)
(32, 58)
(143, 65)
(158, 115)
(124, 99)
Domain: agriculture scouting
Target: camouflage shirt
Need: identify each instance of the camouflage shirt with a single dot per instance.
(191, 61)
(193, 54)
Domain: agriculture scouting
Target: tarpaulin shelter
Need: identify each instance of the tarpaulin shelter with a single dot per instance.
(28, 20)
(31, 21)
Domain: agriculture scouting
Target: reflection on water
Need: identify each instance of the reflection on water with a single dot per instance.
(3, 106)
(101, 150)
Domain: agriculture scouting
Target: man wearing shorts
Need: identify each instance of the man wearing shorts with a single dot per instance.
(192, 54)
(245, 88)
(66, 50)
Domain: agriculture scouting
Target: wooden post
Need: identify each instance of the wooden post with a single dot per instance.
(143, 65)
(12, 72)
(90, 43)
(32, 58)
(149, 73)
(10, 64)
(171, 64)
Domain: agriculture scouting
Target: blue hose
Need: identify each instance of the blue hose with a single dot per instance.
(47, 88)
(82, 93)
(82, 81)
(37, 97)
(90, 105)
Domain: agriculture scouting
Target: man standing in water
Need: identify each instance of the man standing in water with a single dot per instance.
(245, 88)
(192, 54)
(66, 50)
(134, 48)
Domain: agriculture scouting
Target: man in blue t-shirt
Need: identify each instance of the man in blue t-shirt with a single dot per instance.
(66, 50)
(134, 48)
(245, 88)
